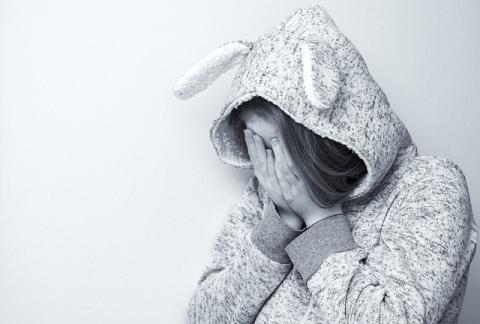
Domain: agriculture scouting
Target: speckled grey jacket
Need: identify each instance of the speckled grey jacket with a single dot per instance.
(401, 251)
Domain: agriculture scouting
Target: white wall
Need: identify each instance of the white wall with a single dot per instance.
(110, 191)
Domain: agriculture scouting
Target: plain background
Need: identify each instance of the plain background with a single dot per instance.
(110, 190)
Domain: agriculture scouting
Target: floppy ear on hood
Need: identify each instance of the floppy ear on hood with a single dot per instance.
(207, 70)
(321, 75)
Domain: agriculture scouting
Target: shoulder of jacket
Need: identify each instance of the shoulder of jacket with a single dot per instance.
(434, 201)
(431, 166)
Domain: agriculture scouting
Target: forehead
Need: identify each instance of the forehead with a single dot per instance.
(263, 127)
(251, 117)
(255, 113)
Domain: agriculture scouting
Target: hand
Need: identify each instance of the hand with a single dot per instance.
(294, 189)
(264, 169)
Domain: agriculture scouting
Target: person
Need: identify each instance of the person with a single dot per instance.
(327, 173)
(342, 220)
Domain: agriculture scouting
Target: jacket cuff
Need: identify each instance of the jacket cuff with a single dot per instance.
(308, 250)
(272, 234)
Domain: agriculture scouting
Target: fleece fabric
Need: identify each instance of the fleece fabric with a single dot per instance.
(401, 250)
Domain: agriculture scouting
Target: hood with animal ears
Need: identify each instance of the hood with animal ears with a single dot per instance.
(308, 68)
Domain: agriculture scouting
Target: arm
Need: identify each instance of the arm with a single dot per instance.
(246, 265)
(411, 275)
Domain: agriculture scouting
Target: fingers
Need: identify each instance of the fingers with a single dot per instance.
(272, 174)
(261, 154)
(252, 152)
(256, 151)
(271, 167)
(288, 160)
(283, 167)
(250, 145)
(280, 172)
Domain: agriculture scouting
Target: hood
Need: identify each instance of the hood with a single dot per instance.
(312, 72)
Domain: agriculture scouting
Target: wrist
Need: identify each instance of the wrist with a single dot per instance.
(321, 214)
(291, 219)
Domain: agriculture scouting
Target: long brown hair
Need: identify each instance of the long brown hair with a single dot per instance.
(330, 169)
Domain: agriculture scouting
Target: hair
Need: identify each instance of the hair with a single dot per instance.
(330, 169)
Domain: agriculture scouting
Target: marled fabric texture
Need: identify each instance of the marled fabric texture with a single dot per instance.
(401, 250)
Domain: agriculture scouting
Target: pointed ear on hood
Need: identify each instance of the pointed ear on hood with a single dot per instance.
(321, 75)
(207, 70)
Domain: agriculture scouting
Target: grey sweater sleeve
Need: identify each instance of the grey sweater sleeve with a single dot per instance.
(240, 274)
(273, 234)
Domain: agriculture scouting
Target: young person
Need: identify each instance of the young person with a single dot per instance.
(342, 221)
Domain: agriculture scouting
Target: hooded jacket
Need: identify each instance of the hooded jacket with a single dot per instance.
(401, 250)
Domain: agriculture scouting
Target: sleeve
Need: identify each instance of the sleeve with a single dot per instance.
(245, 265)
(410, 276)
